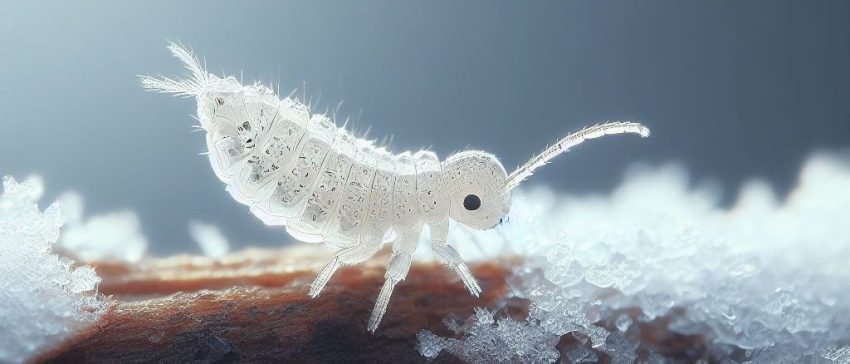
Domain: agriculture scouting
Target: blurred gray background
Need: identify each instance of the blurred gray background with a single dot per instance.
(732, 89)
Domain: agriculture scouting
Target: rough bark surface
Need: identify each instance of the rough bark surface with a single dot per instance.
(253, 307)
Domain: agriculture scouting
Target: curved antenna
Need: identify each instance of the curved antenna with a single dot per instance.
(569, 141)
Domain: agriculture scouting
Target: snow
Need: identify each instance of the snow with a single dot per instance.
(113, 236)
(839, 356)
(44, 298)
(765, 279)
(210, 239)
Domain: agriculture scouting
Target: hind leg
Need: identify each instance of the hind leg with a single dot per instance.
(350, 256)
(403, 248)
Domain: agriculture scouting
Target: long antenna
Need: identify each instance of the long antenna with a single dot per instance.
(563, 145)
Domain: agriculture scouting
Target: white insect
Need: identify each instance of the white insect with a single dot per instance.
(297, 169)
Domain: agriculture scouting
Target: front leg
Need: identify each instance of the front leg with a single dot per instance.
(448, 255)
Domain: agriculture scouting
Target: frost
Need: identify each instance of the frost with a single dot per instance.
(112, 236)
(512, 340)
(210, 238)
(764, 281)
(838, 356)
(44, 299)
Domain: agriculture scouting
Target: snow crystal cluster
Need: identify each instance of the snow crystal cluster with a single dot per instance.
(659, 272)
(113, 236)
(44, 298)
(117, 235)
(210, 239)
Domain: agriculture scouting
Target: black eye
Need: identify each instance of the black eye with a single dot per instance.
(471, 202)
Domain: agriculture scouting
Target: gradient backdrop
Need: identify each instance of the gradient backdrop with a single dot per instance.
(732, 89)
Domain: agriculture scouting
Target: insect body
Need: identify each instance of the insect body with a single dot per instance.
(298, 169)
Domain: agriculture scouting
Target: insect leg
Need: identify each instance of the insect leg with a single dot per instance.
(403, 248)
(352, 255)
(449, 255)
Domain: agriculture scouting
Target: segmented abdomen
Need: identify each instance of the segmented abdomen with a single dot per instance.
(300, 170)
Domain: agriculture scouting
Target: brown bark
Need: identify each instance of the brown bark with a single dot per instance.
(253, 307)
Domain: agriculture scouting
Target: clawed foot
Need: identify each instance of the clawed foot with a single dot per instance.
(450, 257)
(381, 304)
(468, 279)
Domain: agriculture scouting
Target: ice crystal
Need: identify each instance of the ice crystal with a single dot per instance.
(513, 340)
(209, 238)
(764, 281)
(838, 356)
(43, 298)
(114, 235)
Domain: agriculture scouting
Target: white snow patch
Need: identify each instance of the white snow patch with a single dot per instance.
(44, 299)
(210, 238)
(765, 279)
(113, 236)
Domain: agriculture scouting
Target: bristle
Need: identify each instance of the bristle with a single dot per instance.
(180, 87)
(190, 62)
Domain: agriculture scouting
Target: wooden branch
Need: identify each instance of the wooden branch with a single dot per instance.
(253, 307)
